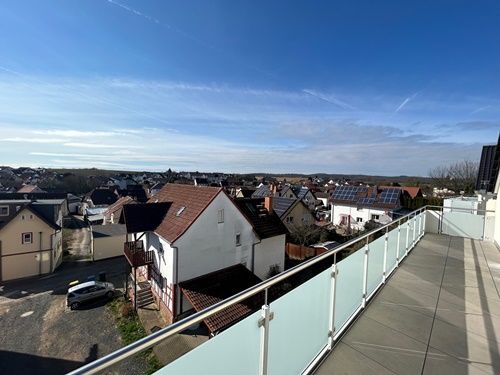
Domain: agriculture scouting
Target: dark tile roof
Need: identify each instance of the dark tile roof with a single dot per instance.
(302, 192)
(137, 192)
(262, 192)
(109, 230)
(247, 193)
(205, 291)
(282, 205)
(102, 197)
(157, 186)
(144, 217)
(188, 202)
(32, 196)
(264, 223)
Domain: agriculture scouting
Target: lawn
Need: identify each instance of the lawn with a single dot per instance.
(131, 330)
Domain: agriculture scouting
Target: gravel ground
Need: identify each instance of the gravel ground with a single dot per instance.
(76, 240)
(40, 335)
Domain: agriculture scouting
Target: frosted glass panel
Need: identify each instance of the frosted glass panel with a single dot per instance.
(402, 240)
(375, 264)
(419, 225)
(234, 351)
(392, 248)
(463, 224)
(410, 237)
(299, 330)
(349, 287)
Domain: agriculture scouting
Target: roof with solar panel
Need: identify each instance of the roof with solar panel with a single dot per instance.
(364, 196)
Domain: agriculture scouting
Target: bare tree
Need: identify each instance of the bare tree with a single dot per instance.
(459, 176)
(305, 234)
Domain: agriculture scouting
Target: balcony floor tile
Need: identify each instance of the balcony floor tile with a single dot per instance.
(439, 313)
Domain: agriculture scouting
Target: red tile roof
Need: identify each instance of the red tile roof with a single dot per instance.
(205, 291)
(194, 199)
(413, 191)
(117, 207)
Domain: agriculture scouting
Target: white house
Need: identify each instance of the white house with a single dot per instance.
(353, 206)
(185, 232)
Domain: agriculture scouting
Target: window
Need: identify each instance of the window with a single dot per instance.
(238, 239)
(4, 210)
(375, 217)
(27, 238)
(22, 217)
(220, 216)
(31, 217)
(359, 219)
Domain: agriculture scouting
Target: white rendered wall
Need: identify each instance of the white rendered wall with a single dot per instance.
(364, 213)
(208, 246)
(269, 252)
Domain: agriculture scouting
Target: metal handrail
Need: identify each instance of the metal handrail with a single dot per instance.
(156, 337)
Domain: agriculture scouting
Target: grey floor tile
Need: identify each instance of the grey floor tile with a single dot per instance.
(411, 322)
(464, 344)
(438, 363)
(345, 360)
(392, 349)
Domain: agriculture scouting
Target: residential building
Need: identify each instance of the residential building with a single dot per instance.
(287, 192)
(354, 206)
(113, 213)
(30, 189)
(488, 167)
(186, 231)
(100, 197)
(30, 237)
(155, 189)
(307, 196)
(292, 212)
(264, 191)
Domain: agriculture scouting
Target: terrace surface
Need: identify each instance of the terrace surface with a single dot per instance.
(438, 314)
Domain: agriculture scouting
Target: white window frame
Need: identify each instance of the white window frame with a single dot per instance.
(359, 220)
(375, 217)
(27, 238)
(237, 239)
(220, 216)
(8, 210)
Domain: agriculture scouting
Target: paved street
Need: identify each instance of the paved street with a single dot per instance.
(40, 335)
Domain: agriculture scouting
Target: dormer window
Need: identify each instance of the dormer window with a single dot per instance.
(181, 210)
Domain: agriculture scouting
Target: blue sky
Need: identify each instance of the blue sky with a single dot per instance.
(389, 87)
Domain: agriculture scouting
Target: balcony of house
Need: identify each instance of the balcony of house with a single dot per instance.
(136, 255)
(416, 296)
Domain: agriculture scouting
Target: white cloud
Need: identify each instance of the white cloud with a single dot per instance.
(159, 125)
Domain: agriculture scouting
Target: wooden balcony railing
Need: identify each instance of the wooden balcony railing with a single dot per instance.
(136, 255)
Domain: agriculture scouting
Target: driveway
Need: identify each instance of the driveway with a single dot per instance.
(40, 335)
(76, 239)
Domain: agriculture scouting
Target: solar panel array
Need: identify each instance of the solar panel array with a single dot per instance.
(390, 196)
(352, 193)
(348, 193)
(367, 201)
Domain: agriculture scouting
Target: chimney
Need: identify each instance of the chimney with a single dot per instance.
(268, 204)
